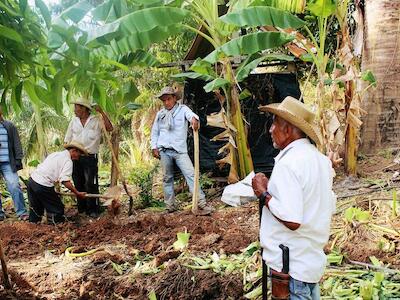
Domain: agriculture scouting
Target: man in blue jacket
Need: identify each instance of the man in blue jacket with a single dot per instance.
(10, 162)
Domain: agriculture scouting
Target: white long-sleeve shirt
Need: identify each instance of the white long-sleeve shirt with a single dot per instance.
(57, 167)
(301, 190)
(89, 135)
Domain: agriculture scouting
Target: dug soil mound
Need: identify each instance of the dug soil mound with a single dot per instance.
(230, 230)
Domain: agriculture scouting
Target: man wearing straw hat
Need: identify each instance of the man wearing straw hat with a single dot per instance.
(57, 167)
(86, 129)
(299, 201)
(168, 143)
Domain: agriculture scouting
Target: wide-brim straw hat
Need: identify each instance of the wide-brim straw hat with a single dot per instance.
(76, 145)
(297, 114)
(168, 90)
(83, 102)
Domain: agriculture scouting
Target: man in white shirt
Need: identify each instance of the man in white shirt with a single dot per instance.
(86, 129)
(168, 143)
(299, 201)
(57, 167)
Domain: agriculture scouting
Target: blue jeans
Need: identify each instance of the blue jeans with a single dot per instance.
(13, 186)
(182, 160)
(300, 290)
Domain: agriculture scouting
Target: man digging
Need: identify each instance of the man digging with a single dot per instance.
(86, 129)
(299, 203)
(168, 143)
(57, 167)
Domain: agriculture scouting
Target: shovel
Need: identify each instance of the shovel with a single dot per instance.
(195, 199)
(111, 194)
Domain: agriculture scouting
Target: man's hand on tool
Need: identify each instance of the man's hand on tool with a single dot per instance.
(156, 153)
(195, 124)
(259, 184)
(81, 195)
(97, 108)
(335, 159)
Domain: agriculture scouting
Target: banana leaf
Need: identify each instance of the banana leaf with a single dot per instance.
(216, 84)
(193, 75)
(143, 20)
(322, 8)
(77, 11)
(44, 11)
(263, 16)
(244, 70)
(249, 44)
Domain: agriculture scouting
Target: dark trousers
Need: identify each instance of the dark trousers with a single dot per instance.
(85, 176)
(44, 198)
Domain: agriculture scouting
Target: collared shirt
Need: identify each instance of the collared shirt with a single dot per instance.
(4, 152)
(174, 138)
(57, 167)
(88, 135)
(301, 190)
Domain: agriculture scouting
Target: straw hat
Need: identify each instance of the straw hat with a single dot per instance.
(76, 145)
(84, 102)
(167, 91)
(297, 114)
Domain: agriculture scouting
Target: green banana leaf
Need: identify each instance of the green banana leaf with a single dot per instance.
(10, 33)
(322, 8)
(140, 58)
(193, 75)
(249, 44)
(140, 21)
(77, 11)
(110, 11)
(44, 11)
(216, 84)
(247, 66)
(202, 67)
(262, 16)
(142, 40)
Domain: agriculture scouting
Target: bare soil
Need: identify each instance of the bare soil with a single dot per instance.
(39, 268)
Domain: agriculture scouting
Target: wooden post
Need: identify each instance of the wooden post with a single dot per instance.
(115, 149)
(196, 187)
(6, 280)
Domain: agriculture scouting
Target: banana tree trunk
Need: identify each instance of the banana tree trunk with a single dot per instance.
(40, 132)
(351, 139)
(115, 139)
(381, 55)
(241, 158)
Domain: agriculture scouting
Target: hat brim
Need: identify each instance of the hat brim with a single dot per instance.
(312, 131)
(83, 104)
(160, 95)
(74, 146)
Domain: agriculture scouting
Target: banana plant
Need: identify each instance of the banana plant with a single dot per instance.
(220, 32)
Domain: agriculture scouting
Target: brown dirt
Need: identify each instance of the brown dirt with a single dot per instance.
(39, 270)
(149, 232)
(55, 277)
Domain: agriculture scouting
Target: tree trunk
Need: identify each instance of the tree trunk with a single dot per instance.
(40, 132)
(381, 55)
(115, 139)
(241, 158)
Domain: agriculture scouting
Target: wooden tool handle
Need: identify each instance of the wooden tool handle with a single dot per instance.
(87, 195)
(196, 187)
(6, 280)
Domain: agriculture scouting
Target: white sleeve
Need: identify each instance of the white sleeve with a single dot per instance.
(66, 172)
(287, 197)
(189, 114)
